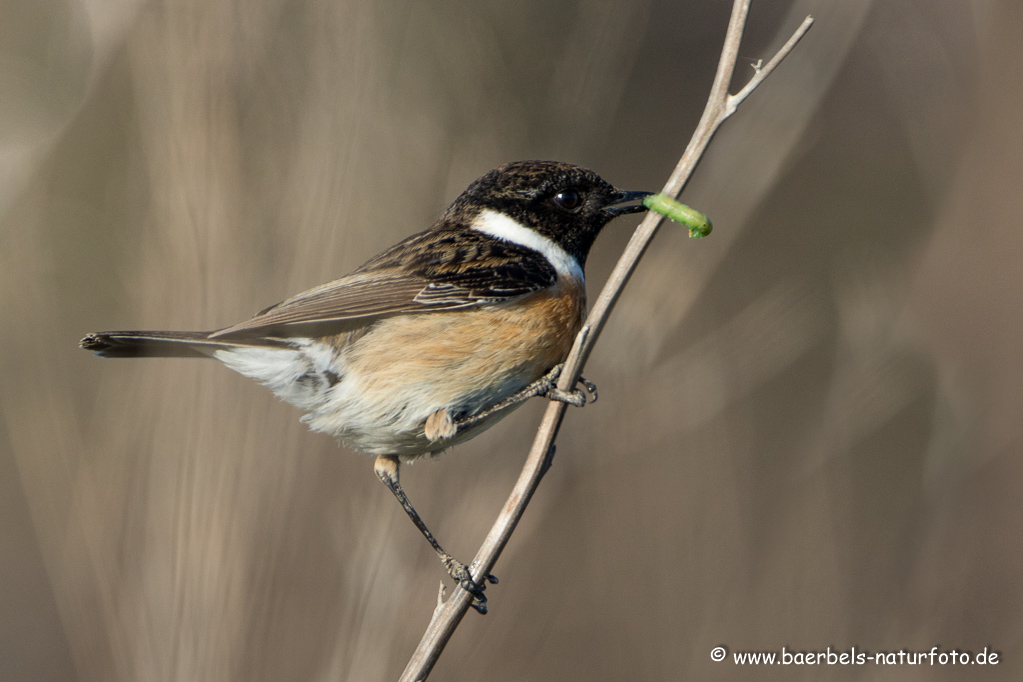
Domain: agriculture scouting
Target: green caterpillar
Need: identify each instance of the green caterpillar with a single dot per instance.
(699, 225)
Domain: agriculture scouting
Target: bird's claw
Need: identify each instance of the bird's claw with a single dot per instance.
(460, 573)
(591, 389)
(576, 397)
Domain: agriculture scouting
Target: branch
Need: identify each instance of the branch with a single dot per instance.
(720, 106)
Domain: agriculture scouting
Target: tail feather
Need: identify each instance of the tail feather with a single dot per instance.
(132, 344)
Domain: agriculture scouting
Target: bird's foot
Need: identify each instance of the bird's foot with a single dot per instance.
(460, 573)
(576, 397)
(546, 386)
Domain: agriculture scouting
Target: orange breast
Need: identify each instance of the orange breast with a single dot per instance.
(439, 360)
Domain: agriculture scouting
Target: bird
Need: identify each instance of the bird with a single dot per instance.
(435, 339)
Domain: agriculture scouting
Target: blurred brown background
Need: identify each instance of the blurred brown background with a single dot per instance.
(809, 430)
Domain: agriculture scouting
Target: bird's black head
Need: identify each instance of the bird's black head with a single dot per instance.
(567, 204)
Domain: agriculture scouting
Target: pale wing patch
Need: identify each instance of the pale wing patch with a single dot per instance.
(447, 295)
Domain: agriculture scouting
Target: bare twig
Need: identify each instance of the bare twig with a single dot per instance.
(720, 106)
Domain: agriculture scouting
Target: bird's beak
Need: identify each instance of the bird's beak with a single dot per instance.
(620, 203)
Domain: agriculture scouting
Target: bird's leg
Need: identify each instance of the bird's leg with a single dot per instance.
(545, 386)
(386, 468)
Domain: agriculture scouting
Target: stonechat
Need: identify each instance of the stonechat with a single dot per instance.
(438, 337)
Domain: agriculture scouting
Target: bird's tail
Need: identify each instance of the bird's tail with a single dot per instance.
(166, 344)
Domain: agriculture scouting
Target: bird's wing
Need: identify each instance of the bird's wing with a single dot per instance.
(431, 271)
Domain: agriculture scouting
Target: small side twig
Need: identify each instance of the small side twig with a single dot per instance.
(720, 106)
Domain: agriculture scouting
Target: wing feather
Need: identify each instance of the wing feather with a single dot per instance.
(441, 269)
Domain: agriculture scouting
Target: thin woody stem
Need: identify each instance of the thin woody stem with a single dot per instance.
(720, 106)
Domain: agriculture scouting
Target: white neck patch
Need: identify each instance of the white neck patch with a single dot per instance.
(501, 226)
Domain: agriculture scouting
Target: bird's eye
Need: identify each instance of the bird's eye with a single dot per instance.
(568, 200)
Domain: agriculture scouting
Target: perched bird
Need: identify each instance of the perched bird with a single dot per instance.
(438, 337)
